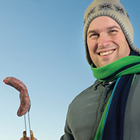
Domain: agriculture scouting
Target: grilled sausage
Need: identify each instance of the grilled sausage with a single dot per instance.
(24, 98)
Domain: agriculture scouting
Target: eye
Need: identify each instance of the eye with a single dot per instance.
(113, 31)
(94, 35)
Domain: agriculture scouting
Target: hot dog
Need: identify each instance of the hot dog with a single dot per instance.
(24, 98)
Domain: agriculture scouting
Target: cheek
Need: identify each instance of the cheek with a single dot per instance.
(123, 47)
(91, 46)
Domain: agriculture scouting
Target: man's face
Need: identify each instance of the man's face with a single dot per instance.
(106, 41)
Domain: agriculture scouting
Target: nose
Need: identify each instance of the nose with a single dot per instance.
(103, 40)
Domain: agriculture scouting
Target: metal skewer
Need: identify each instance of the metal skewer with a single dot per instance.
(25, 132)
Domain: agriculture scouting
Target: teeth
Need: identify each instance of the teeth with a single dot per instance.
(105, 53)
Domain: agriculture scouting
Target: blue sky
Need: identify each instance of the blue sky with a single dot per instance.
(41, 43)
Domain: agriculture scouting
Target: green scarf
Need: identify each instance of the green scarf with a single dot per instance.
(102, 73)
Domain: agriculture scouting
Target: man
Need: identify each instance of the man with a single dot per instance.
(109, 109)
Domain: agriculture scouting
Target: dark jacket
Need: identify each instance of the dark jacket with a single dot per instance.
(86, 109)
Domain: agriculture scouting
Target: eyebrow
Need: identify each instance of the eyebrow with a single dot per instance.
(112, 27)
(108, 28)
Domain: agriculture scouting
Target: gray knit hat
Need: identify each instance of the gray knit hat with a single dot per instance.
(114, 10)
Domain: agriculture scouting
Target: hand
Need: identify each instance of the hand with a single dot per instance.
(28, 138)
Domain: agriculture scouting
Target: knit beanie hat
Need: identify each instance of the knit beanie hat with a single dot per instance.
(114, 10)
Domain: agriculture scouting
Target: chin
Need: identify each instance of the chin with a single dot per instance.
(105, 64)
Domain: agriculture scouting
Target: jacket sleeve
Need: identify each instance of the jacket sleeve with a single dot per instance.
(68, 133)
(67, 136)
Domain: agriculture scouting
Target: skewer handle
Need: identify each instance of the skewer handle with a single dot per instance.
(24, 135)
(32, 136)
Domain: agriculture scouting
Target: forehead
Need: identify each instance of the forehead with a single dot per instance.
(103, 22)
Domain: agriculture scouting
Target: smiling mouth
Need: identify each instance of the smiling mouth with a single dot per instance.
(106, 53)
